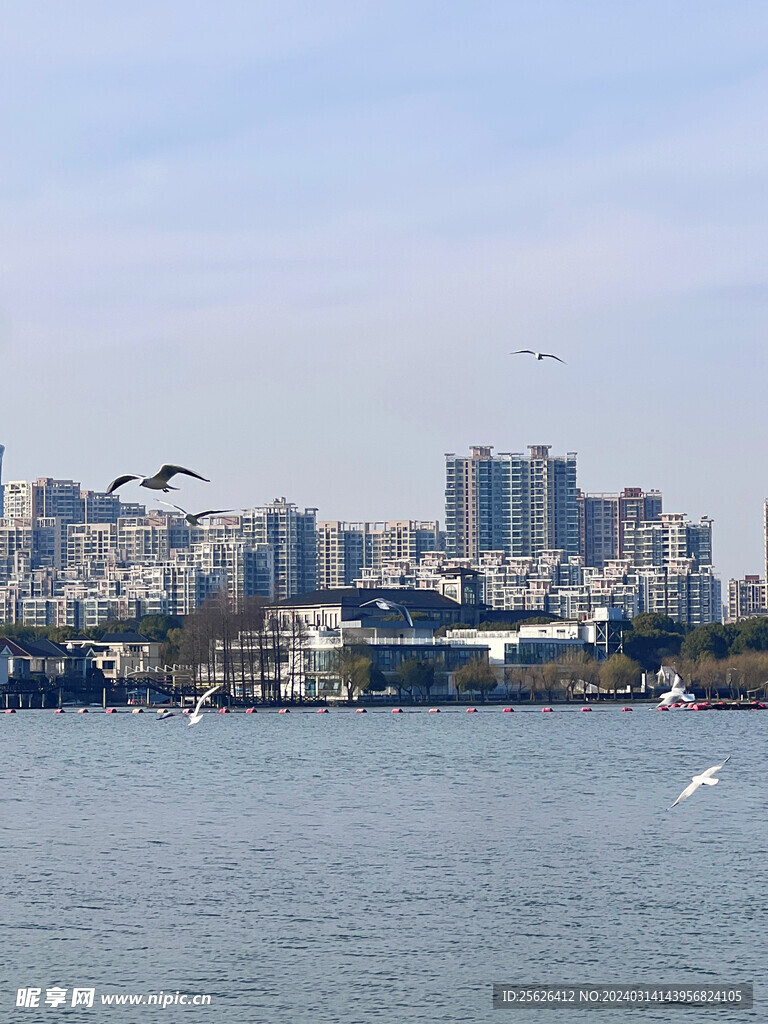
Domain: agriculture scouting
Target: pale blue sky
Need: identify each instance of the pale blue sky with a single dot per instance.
(290, 245)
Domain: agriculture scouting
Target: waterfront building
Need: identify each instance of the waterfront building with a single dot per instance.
(292, 535)
(670, 538)
(510, 502)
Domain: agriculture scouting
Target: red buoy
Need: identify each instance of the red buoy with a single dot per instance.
(471, 711)
(82, 711)
(662, 707)
(626, 709)
(361, 711)
(224, 711)
(322, 711)
(137, 711)
(586, 709)
(434, 711)
(397, 711)
(59, 711)
(545, 710)
(284, 711)
(110, 711)
(507, 709)
(250, 711)
(10, 711)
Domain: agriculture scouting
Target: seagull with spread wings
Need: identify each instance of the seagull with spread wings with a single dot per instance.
(705, 779)
(193, 518)
(158, 482)
(538, 355)
(196, 715)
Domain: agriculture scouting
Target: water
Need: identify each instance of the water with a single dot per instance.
(352, 868)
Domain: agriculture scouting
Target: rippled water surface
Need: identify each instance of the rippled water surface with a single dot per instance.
(354, 868)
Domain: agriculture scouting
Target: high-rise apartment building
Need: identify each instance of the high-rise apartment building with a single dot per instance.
(345, 549)
(292, 535)
(510, 502)
(670, 538)
(2, 453)
(602, 518)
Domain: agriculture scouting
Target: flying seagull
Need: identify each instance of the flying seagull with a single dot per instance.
(196, 716)
(193, 518)
(158, 482)
(675, 695)
(705, 779)
(539, 355)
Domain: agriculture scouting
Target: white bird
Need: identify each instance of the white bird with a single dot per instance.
(676, 694)
(193, 518)
(538, 355)
(158, 482)
(705, 779)
(196, 717)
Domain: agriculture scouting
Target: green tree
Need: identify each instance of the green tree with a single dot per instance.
(750, 635)
(653, 639)
(354, 669)
(476, 676)
(618, 672)
(708, 641)
(156, 627)
(417, 676)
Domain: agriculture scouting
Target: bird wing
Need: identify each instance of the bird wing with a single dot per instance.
(166, 471)
(523, 351)
(169, 505)
(120, 480)
(212, 512)
(205, 697)
(715, 768)
(691, 788)
(548, 355)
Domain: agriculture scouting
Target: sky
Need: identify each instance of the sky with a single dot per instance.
(291, 245)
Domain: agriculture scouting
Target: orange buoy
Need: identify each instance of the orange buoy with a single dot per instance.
(545, 710)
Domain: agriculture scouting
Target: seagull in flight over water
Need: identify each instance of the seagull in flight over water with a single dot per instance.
(158, 482)
(538, 355)
(196, 717)
(193, 518)
(705, 779)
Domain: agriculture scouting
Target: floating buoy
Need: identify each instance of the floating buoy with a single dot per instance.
(137, 711)
(507, 710)
(626, 709)
(322, 711)
(471, 711)
(59, 711)
(547, 710)
(284, 711)
(110, 711)
(361, 711)
(224, 711)
(434, 711)
(397, 711)
(662, 707)
(82, 711)
(10, 711)
(250, 711)
(586, 709)
(187, 711)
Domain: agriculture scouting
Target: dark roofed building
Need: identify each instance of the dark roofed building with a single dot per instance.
(329, 608)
